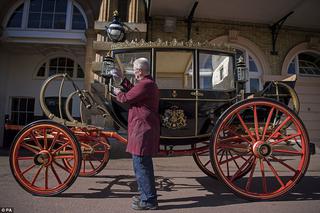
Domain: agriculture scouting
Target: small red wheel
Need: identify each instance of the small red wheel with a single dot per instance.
(37, 155)
(202, 158)
(259, 149)
(95, 156)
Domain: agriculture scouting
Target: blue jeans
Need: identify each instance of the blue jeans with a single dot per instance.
(143, 169)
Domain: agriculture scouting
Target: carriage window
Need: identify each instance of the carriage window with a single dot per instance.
(215, 72)
(174, 69)
(124, 61)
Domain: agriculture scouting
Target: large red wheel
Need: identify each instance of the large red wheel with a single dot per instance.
(250, 152)
(37, 155)
(95, 156)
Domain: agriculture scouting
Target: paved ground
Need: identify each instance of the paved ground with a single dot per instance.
(181, 186)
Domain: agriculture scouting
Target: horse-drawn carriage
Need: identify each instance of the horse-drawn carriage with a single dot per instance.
(257, 146)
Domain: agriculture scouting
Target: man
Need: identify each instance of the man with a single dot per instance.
(143, 130)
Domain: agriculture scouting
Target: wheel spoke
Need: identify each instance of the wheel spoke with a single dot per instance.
(30, 148)
(237, 135)
(287, 151)
(92, 165)
(61, 166)
(245, 127)
(249, 181)
(54, 141)
(264, 181)
(55, 174)
(279, 127)
(256, 122)
(233, 146)
(234, 160)
(275, 173)
(46, 178)
(35, 139)
(241, 168)
(45, 141)
(25, 158)
(267, 123)
(286, 138)
(28, 169)
(284, 164)
(36, 176)
(64, 157)
(61, 147)
(84, 165)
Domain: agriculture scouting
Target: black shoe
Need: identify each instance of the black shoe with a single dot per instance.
(135, 200)
(144, 206)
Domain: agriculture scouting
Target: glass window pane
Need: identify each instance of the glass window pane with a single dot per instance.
(59, 21)
(46, 20)
(23, 104)
(35, 5)
(69, 71)
(62, 62)
(42, 71)
(174, 69)
(48, 6)
(15, 104)
(30, 117)
(52, 71)
(16, 18)
(78, 22)
(30, 106)
(80, 73)
(124, 61)
(70, 62)
(54, 62)
(254, 85)
(252, 65)
(22, 118)
(292, 67)
(215, 71)
(14, 117)
(34, 20)
(61, 6)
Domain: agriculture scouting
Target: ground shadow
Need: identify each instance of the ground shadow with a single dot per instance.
(124, 186)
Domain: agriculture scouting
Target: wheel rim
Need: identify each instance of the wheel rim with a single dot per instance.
(95, 156)
(256, 153)
(37, 158)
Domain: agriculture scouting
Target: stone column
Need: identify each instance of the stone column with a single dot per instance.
(89, 58)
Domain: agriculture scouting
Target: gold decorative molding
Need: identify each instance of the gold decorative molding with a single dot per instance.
(172, 44)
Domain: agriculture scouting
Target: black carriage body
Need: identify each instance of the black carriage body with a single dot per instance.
(190, 101)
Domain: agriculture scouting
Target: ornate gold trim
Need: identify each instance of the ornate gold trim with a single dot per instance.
(172, 44)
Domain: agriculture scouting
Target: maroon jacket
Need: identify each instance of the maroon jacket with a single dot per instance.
(143, 118)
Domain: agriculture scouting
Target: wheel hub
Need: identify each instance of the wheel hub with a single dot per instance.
(43, 158)
(262, 149)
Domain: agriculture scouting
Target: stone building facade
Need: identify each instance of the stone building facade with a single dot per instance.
(24, 50)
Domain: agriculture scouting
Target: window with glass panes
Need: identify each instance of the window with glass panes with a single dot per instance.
(60, 65)
(22, 110)
(48, 14)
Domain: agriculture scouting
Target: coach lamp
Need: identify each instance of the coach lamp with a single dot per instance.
(115, 30)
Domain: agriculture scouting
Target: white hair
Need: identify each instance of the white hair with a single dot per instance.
(142, 63)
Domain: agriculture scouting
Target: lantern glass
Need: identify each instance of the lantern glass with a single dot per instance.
(107, 66)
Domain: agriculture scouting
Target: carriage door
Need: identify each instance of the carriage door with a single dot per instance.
(174, 73)
(216, 88)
